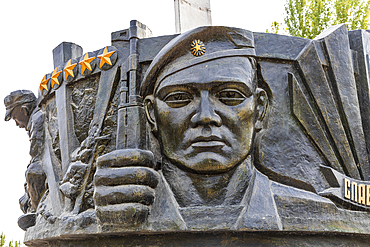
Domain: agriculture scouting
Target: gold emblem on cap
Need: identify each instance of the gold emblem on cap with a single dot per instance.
(197, 48)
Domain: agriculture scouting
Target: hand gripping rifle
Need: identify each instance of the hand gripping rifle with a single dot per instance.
(119, 199)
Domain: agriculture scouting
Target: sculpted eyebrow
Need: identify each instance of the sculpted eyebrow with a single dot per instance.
(218, 84)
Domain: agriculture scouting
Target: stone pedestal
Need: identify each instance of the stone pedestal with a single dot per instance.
(210, 239)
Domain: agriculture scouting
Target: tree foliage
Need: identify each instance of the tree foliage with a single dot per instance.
(11, 243)
(308, 18)
(354, 12)
(275, 27)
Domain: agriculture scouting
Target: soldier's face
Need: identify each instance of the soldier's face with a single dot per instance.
(20, 116)
(205, 115)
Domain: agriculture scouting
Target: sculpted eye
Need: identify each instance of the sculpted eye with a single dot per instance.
(178, 99)
(231, 97)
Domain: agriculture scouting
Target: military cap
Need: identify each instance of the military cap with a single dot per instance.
(194, 47)
(17, 98)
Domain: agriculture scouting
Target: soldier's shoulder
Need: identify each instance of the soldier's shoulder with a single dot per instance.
(304, 210)
(286, 191)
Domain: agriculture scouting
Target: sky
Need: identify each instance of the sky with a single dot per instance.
(30, 30)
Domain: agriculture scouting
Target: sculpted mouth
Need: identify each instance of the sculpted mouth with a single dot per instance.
(208, 142)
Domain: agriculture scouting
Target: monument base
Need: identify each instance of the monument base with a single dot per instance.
(209, 239)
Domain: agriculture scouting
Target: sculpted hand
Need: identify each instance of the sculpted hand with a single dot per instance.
(84, 152)
(124, 186)
(71, 184)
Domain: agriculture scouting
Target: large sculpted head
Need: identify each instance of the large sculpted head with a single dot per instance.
(19, 106)
(206, 107)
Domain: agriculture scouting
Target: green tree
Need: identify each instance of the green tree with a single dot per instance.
(308, 18)
(2, 240)
(354, 12)
(11, 243)
(275, 27)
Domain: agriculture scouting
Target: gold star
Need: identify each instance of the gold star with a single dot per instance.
(54, 77)
(68, 71)
(197, 48)
(86, 63)
(43, 84)
(105, 57)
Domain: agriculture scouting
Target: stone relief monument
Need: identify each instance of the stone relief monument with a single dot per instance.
(216, 136)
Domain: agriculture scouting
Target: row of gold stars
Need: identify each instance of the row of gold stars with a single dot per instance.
(68, 70)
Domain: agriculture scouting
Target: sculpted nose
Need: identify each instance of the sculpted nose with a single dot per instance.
(205, 114)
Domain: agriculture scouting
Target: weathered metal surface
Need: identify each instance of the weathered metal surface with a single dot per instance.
(211, 137)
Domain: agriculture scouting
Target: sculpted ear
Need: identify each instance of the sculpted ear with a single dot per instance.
(261, 107)
(149, 110)
(25, 110)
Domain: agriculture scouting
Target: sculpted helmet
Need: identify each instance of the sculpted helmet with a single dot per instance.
(17, 98)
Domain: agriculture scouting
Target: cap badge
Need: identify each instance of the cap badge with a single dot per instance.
(197, 48)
